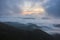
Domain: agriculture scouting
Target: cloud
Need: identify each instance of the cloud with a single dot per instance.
(53, 8)
(9, 7)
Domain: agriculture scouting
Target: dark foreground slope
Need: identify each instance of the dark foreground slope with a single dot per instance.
(56, 36)
(8, 32)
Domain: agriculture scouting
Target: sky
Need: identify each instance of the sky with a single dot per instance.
(42, 10)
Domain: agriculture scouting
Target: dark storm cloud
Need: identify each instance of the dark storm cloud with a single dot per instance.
(54, 8)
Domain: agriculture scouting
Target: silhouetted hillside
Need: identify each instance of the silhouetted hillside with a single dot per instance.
(9, 32)
(56, 36)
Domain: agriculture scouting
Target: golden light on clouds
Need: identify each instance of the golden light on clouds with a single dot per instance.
(28, 9)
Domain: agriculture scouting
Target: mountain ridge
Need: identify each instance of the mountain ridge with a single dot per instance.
(9, 32)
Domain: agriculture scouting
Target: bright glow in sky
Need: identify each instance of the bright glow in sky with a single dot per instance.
(28, 8)
(35, 10)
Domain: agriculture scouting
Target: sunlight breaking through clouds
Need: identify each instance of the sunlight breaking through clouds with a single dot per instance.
(29, 9)
(33, 7)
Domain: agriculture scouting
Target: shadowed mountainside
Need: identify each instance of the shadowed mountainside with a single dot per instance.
(56, 36)
(28, 26)
(8, 32)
